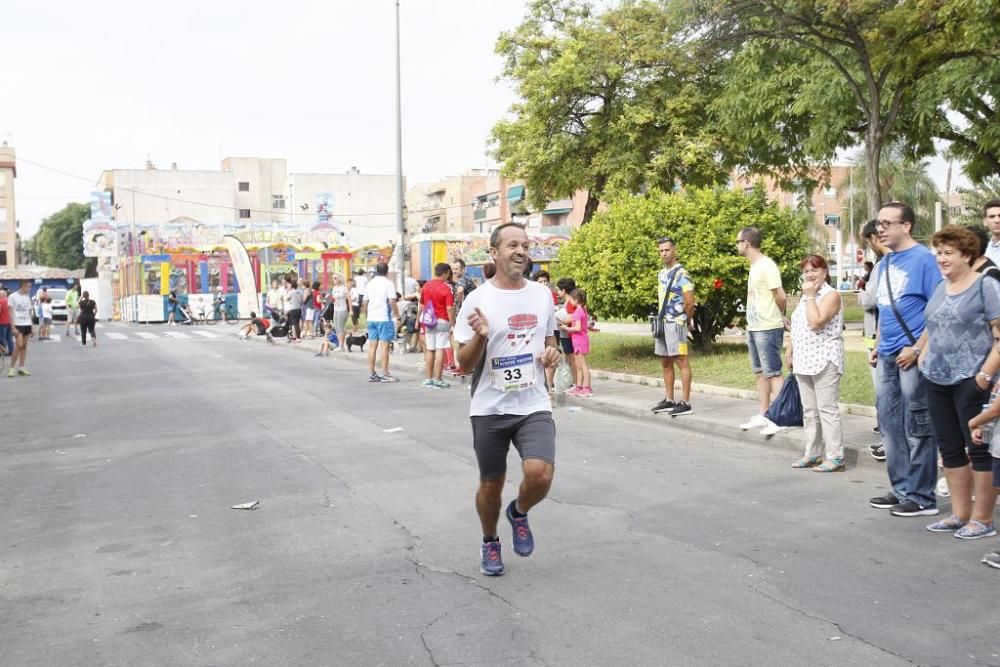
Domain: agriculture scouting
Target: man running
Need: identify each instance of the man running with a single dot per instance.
(20, 308)
(505, 330)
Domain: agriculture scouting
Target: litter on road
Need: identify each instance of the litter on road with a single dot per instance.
(247, 506)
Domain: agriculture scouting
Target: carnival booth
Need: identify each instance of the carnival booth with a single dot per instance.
(426, 250)
(143, 281)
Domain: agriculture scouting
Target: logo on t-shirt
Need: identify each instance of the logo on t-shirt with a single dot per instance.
(899, 279)
(522, 327)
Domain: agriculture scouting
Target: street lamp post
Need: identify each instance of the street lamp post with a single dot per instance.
(399, 165)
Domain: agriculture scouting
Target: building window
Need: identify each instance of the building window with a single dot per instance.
(245, 213)
(830, 191)
(244, 186)
(277, 201)
(831, 248)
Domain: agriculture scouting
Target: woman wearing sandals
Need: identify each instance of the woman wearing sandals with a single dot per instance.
(816, 347)
(955, 344)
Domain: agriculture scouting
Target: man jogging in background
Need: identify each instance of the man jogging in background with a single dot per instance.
(505, 330)
(380, 300)
(20, 312)
(676, 298)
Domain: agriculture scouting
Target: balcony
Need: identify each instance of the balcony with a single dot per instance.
(479, 214)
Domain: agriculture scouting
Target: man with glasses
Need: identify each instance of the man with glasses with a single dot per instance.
(906, 279)
(676, 307)
(765, 306)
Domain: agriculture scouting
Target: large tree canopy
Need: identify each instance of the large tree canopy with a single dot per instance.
(660, 93)
(608, 102)
(815, 76)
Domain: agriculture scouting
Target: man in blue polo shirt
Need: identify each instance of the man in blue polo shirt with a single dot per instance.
(906, 278)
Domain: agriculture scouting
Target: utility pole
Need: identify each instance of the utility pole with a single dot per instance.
(400, 232)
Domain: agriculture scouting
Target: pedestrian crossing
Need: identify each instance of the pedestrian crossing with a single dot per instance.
(122, 334)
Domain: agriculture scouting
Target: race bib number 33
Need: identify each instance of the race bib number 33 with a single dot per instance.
(512, 373)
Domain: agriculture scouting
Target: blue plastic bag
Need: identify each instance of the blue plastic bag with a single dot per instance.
(786, 408)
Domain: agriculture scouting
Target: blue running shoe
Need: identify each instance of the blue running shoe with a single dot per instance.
(524, 543)
(491, 564)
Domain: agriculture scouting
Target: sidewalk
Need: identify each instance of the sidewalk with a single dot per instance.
(717, 410)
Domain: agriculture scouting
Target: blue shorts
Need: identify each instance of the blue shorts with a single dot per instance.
(765, 351)
(381, 331)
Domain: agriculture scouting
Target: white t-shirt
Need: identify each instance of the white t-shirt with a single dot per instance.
(519, 321)
(378, 292)
(20, 309)
(361, 282)
(355, 296)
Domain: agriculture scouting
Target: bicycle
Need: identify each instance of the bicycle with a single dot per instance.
(222, 311)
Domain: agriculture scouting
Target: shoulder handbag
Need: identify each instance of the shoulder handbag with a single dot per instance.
(657, 323)
(892, 303)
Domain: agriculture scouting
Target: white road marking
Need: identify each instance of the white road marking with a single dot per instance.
(205, 334)
(147, 335)
(55, 337)
(116, 336)
(175, 334)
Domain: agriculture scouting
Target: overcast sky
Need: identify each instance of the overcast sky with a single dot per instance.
(99, 85)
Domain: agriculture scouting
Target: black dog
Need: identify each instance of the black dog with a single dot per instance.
(357, 340)
(361, 340)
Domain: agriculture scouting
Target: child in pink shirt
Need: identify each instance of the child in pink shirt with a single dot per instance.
(577, 329)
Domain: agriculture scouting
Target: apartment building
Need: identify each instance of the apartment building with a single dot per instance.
(479, 200)
(253, 192)
(9, 242)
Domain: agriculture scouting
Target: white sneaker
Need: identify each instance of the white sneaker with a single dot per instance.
(771, 428)
(757, 421)
(942, 488)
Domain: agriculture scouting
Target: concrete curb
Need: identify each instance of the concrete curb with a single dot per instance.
(790, 440)
(713, 390)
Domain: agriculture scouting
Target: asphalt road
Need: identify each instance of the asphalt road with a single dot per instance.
(118, 467)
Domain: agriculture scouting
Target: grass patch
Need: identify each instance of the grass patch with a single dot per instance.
(726, 366)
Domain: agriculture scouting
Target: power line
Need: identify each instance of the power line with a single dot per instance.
(135, 191)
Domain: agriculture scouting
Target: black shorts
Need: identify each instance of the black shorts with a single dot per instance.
(567, 345)
(23, 330)
(534, 437)
(996, 472)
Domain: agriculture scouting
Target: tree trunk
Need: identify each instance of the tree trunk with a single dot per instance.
(594, 195)
(590, 208)
(873, 187)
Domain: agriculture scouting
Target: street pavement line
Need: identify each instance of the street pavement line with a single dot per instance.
(205, 334)
(175, 334)
(116, 336)
(147, 335)
(55, 337)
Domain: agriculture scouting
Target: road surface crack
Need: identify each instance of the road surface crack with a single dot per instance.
(756, 589)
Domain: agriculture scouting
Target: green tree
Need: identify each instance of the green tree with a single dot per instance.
(901, 178)
(59, 240)
(809, 77)
(609, 102)
(615, 257)
(975, 197)
(970, 117)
